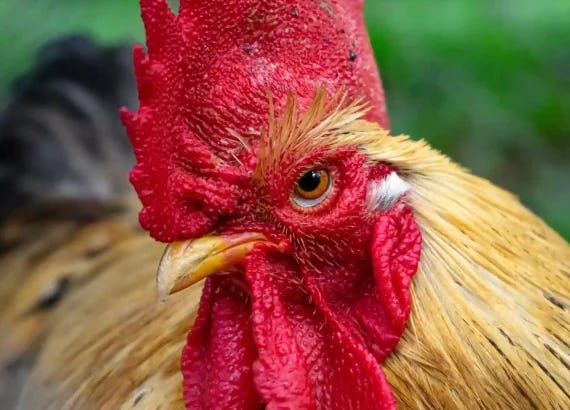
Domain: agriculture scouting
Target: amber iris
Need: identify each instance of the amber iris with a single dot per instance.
(312, 184)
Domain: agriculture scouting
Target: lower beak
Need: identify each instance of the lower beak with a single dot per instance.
(186, 262)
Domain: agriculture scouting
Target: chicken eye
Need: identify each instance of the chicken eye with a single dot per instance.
(312, 188)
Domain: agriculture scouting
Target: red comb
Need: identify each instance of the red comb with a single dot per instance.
(203, 94)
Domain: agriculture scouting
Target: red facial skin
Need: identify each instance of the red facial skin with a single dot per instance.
(301, 330)
(308, 329)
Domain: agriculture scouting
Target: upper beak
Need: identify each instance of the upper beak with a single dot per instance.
(186, 262)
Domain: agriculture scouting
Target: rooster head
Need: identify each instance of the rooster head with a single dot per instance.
(253, 141)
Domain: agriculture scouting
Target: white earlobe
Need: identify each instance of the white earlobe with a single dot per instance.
(384, 194)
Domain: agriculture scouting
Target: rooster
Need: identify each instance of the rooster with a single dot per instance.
(265, 161)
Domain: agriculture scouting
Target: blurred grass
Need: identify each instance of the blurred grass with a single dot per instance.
(487, 82)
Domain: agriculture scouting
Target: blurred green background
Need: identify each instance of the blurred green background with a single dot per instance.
(487, 82)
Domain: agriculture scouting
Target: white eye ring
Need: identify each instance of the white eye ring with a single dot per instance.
(305, 198)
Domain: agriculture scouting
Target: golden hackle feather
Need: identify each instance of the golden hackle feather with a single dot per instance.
(489, 329)
(490, 326)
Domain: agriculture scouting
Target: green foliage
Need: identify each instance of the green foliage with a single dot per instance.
(26, 24)
(487, 82)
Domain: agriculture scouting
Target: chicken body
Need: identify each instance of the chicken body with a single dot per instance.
(489, 322)
(110, 344)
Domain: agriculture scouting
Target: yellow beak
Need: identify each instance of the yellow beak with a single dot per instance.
(186, 262)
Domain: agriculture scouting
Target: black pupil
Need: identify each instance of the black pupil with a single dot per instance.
(310, 181)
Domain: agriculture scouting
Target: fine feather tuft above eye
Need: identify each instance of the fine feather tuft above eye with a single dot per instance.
(293, 133)
(384, 194)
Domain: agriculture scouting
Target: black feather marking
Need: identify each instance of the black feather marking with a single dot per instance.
(555, 301)
(550, 376)
(54, 294)
(60, 133)
(558, 357)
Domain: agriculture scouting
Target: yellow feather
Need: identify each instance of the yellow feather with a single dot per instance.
(490, 324)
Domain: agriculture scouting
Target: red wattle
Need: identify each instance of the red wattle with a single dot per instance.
(217, 359)
(307, 358)
(395, 253)
(286, 346)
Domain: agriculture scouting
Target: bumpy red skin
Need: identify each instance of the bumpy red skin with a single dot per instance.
(303, 330)
(206, 78)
